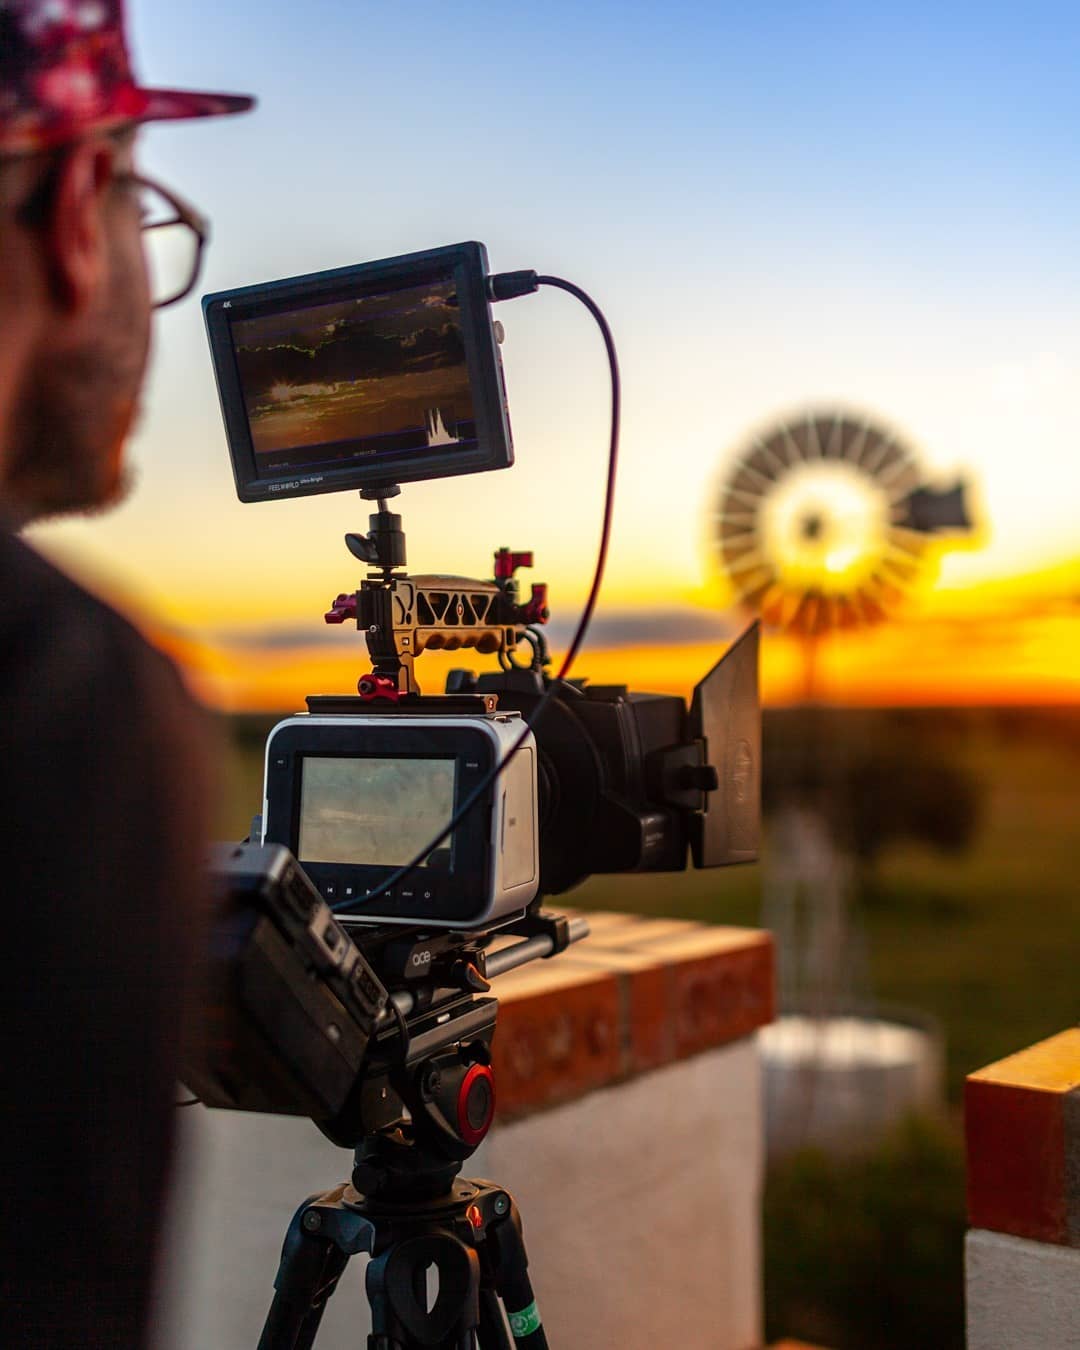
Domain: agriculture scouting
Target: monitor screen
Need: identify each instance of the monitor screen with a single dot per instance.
(375, 375)
(373, 811)
(381, 373)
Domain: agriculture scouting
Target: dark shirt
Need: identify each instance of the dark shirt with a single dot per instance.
(101, 843)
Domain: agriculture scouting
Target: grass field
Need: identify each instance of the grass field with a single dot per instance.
(986, 940)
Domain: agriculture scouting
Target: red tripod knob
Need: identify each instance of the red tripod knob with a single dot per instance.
(476, 1104)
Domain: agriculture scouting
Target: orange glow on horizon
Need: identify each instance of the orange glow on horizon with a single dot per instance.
(1013, 640)
(932, 663)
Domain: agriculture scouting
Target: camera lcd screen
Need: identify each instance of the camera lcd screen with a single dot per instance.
(373, 811)
(380, 373)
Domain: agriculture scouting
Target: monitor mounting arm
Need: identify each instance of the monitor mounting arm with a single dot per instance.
(403, 616)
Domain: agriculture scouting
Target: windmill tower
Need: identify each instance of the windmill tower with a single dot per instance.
(823, 524)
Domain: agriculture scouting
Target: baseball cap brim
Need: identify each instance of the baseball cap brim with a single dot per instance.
(127, 106)
(171, 105)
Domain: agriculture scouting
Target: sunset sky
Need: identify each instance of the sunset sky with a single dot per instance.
(875, 207)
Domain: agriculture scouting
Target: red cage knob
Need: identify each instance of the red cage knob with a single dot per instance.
(536, 611)
(371, 687)
(507, 563)
(344, 607)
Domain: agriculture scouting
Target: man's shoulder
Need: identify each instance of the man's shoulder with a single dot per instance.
(65, 640)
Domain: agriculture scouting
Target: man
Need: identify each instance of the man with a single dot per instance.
(101, 779)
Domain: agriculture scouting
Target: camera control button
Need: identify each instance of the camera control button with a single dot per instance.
(407, 893)
(351, 891)
(329, 889)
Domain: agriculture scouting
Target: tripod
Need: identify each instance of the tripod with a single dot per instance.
(425, 1102)
(416, 1222)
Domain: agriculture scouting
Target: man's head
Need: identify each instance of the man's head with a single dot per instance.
(75, 290)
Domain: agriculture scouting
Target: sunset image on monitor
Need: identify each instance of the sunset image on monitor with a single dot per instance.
(369, 375)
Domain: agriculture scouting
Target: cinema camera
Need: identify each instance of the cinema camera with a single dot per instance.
(406, 840)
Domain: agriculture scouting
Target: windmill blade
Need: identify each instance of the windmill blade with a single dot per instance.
(764, 481)
(856, 446)
(833, 440)
(815, 448)
(792, 446)
(760, 462)
(748, 559)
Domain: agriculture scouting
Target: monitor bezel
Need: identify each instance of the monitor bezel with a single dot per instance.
(467, 264)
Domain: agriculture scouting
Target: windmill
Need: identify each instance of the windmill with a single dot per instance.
(824, 523)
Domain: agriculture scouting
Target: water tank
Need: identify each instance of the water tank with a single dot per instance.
(839, 1082)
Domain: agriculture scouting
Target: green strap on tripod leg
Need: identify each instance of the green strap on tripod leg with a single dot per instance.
(525, 1322)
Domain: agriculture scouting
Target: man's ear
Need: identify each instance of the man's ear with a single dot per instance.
(75, 236)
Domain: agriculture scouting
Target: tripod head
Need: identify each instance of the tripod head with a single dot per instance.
(427, 1097)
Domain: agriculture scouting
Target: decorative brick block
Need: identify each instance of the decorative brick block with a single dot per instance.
(1023, 1143)
(635, 995)
(558, 1037)
(722, 985)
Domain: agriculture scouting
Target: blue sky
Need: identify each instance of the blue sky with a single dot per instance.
(776, 205)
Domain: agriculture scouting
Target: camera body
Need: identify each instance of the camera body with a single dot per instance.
(641, 782)
(355, 796)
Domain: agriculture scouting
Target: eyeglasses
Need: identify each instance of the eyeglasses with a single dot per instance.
(174, 235)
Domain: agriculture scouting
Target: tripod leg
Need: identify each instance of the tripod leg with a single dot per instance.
(493, 1332)
(512, 1282)
(307, 1275)
(297, 1310)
